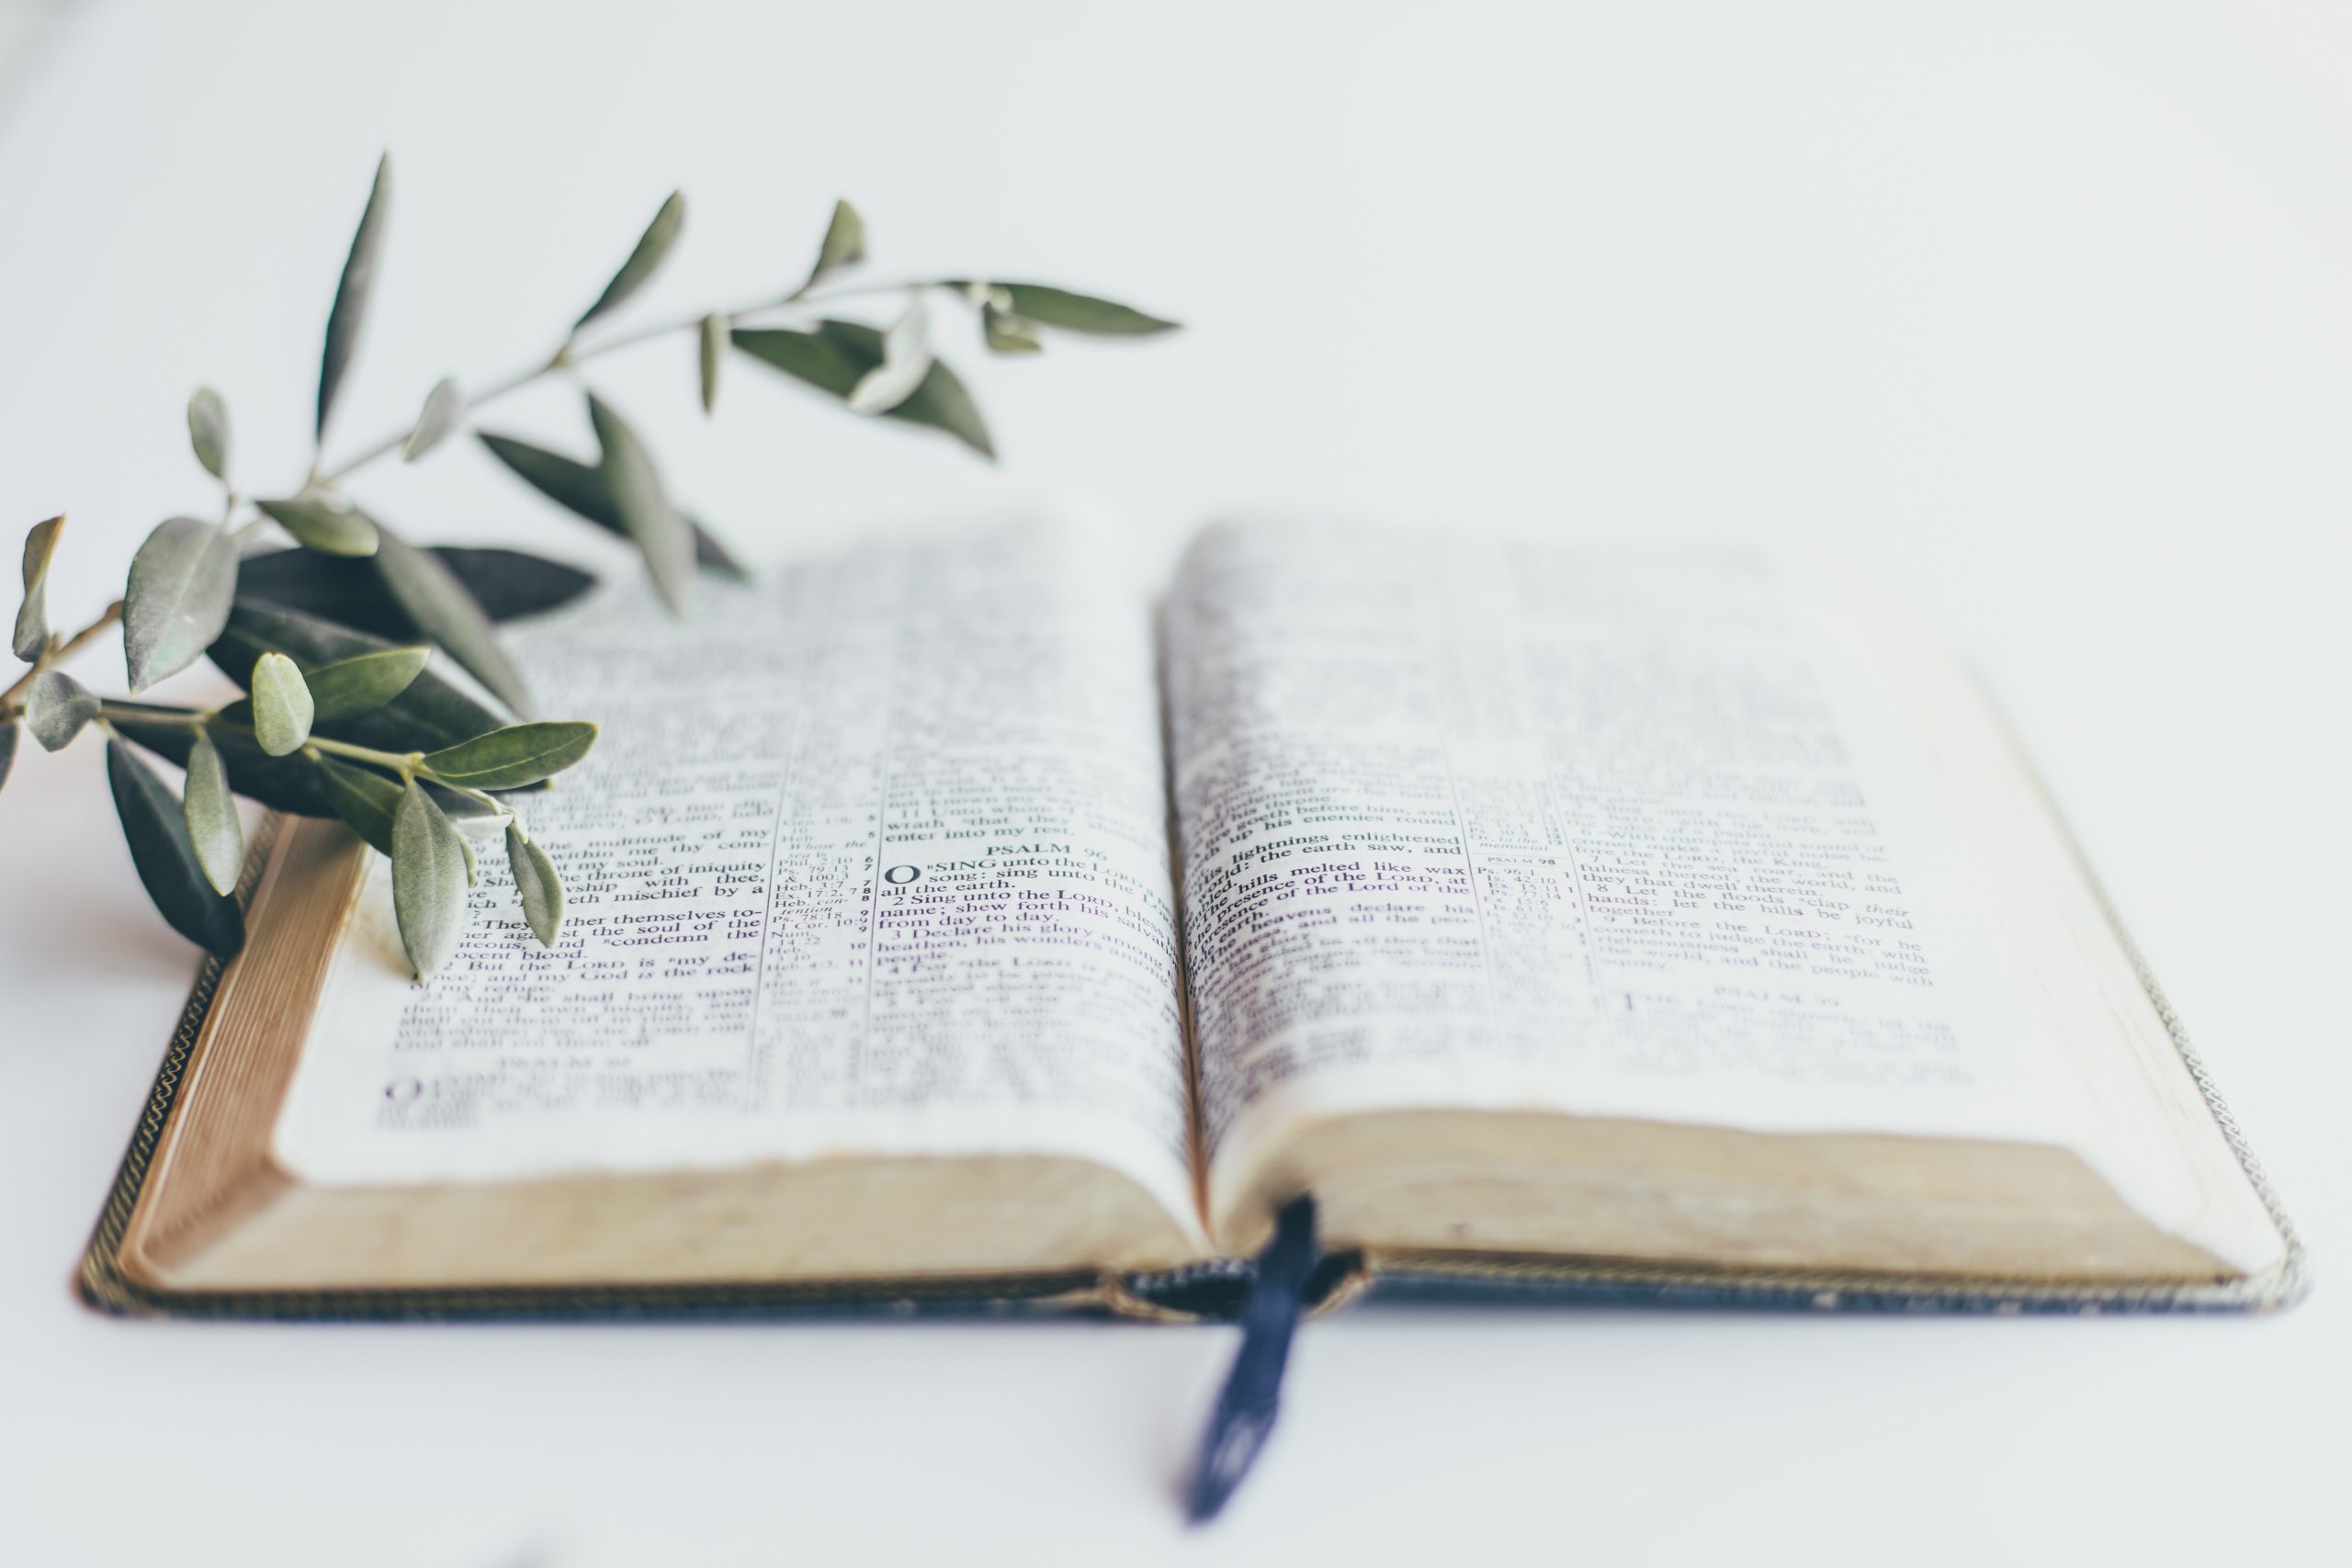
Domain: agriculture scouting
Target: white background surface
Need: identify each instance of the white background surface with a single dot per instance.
(2040, 311)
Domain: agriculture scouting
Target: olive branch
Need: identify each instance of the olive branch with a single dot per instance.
(333, 636)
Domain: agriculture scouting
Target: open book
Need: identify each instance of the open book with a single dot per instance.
(948, 912)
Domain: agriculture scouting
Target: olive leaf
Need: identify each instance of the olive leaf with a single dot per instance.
(1005, 332)
(444, 407)
(428, 880)
(446, 613)
(651, 246)
(583, 490)
(208, 431)
(713, 338)
(183, 582)
(837, 356)
(844, 245)
(352, 291)
(365, 801)
(281, 704)
(56, 709)
(430, 713)
(32, 616)
(1071, 312)
(156, 831)
(508, 584)
(362, 683)
(323, 522)
(510, 757)
(535, 879)
(663, 534)
(905, 360)
(213, 831)
(7, 749)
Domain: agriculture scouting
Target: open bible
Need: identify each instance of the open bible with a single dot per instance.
(950, 919)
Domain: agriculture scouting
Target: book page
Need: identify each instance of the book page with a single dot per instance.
(1473, 824)
(871, 857)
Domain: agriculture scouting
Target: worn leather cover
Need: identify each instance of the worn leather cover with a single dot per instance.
(1215, 1291)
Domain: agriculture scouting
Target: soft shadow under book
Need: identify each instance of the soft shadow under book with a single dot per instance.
(959, 923)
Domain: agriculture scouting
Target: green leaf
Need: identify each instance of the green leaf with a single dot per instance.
(365, 681)
(663, 534)
(845, 244)
(428, 880)
(1072, 312)
(581, 490)
(508, 584)
(282, 783)
(351, 293)
(183, 582)
(651, 246)
(430, 714)
(213, 831)
(510, 757)
(156, 831)
(281, 704)
(444, 407)
(713, 349)
(364, 800)
(56, 709)
(535, 880)
(838, 355)
(7, 747)
(32, 616)
(326, 523)
(446, 613)
(1007, 333)
(208, 431)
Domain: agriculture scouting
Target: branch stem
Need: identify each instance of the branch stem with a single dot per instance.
(570, 354)
(401, 763)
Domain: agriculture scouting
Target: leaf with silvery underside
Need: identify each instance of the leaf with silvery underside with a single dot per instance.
(444, 407)
(366, 682)
(663, 536)
(352, 291)
(213, 831)
(713, 341)
(1070, 312)
(508, 584)
(511, 758)
(583, 490)
(429, 713)
(32, 616)
(156, 831)
(844, 245)
(428, 880)
(281, 704)
(208, 431)
(364, 799)
(652, 247)
(326, 523)
(56, 709)
(182, 583)
(536, 881)
(838, 355)
(8, 733)
(450, 617)
(905, 360)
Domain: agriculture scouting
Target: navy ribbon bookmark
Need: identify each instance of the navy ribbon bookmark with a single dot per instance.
(1252, 1393)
